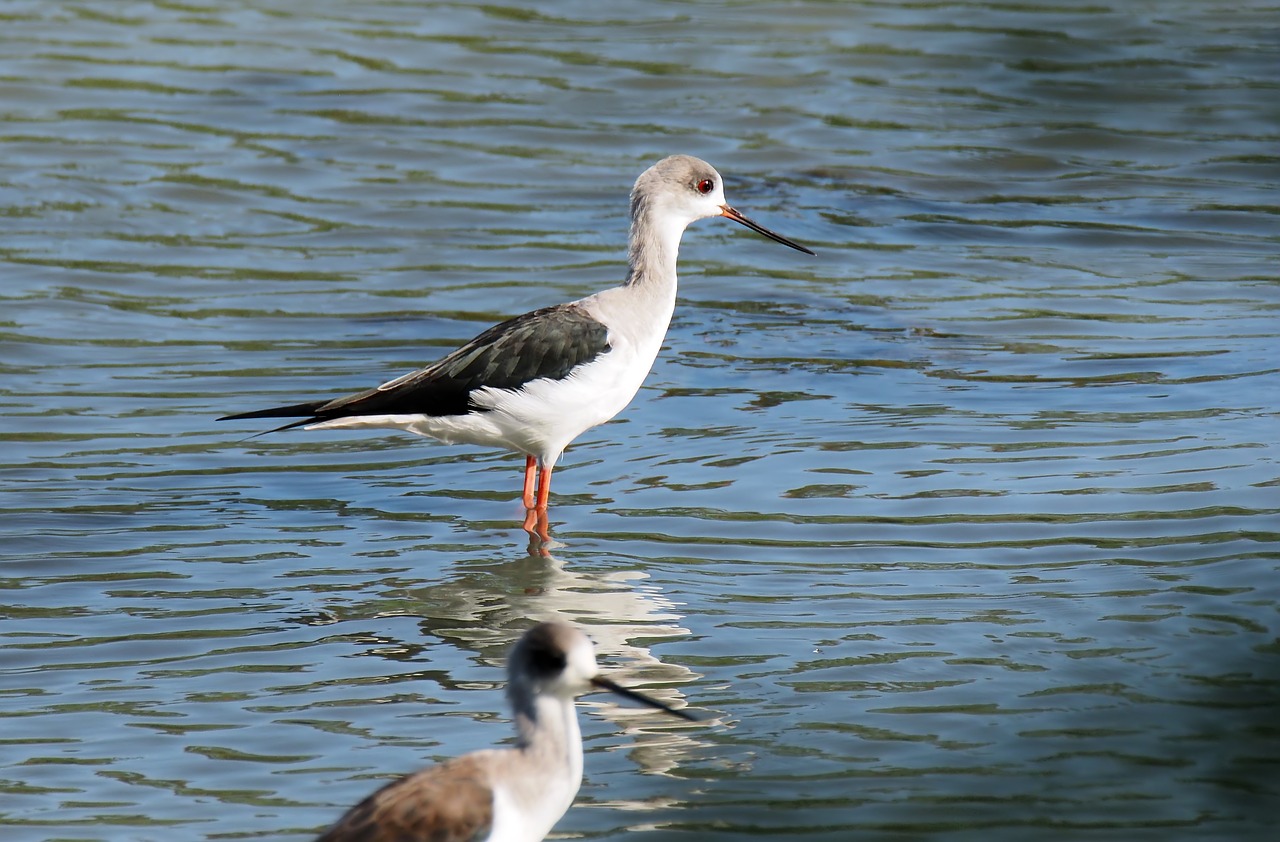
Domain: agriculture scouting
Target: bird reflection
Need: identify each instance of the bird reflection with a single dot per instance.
(484, 608)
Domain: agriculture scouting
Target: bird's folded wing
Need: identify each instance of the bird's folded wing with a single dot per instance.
(548, 343)
(451, 802)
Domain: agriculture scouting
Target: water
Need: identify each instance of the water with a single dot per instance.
(964, 529)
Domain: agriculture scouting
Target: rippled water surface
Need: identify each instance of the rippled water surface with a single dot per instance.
(966, 528)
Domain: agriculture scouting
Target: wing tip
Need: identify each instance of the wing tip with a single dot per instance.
(297, 410)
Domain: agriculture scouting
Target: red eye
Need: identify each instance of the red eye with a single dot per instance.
(706, 186)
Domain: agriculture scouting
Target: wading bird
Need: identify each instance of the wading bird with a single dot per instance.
(501, 795)
(536, 382)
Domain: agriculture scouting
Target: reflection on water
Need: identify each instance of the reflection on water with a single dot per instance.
(966, 526)
(483, 609)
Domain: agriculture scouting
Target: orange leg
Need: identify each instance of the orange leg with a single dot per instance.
(535, 513)
(537, 525)
(529, 463)
(544, 488)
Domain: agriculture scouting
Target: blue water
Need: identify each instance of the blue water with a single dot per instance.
(965, 528)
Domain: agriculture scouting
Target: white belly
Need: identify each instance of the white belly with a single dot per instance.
(543, 416)
(539, 419)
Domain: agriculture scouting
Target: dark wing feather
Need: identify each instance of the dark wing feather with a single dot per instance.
(547, 343)
(447, 803)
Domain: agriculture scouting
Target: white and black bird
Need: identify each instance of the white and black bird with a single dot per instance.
(536, 382)
(501, 795)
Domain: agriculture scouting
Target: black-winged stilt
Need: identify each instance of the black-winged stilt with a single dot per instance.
(515, 794)
(536, 382)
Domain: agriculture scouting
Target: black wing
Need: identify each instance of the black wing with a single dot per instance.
(547, 343)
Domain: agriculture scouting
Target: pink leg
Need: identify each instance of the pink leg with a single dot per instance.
(544, 489)
(529, 463)
(537, 525)
(535, 516)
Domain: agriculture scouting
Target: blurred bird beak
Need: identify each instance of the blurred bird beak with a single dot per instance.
(613, 687)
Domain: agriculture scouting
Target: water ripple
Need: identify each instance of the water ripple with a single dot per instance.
(966, 525)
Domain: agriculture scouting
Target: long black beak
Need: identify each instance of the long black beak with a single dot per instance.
(613, 687)
(730, 213)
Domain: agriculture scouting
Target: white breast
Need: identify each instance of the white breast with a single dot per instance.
(544, 415)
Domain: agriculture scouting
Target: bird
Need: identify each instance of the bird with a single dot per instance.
(535, 382)
(501, 795)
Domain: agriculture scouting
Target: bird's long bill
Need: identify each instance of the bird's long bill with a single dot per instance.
(613, 687)
(730, 213)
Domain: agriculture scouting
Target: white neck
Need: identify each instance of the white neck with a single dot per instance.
(544, 771)
(654, 245)
(548, 731)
